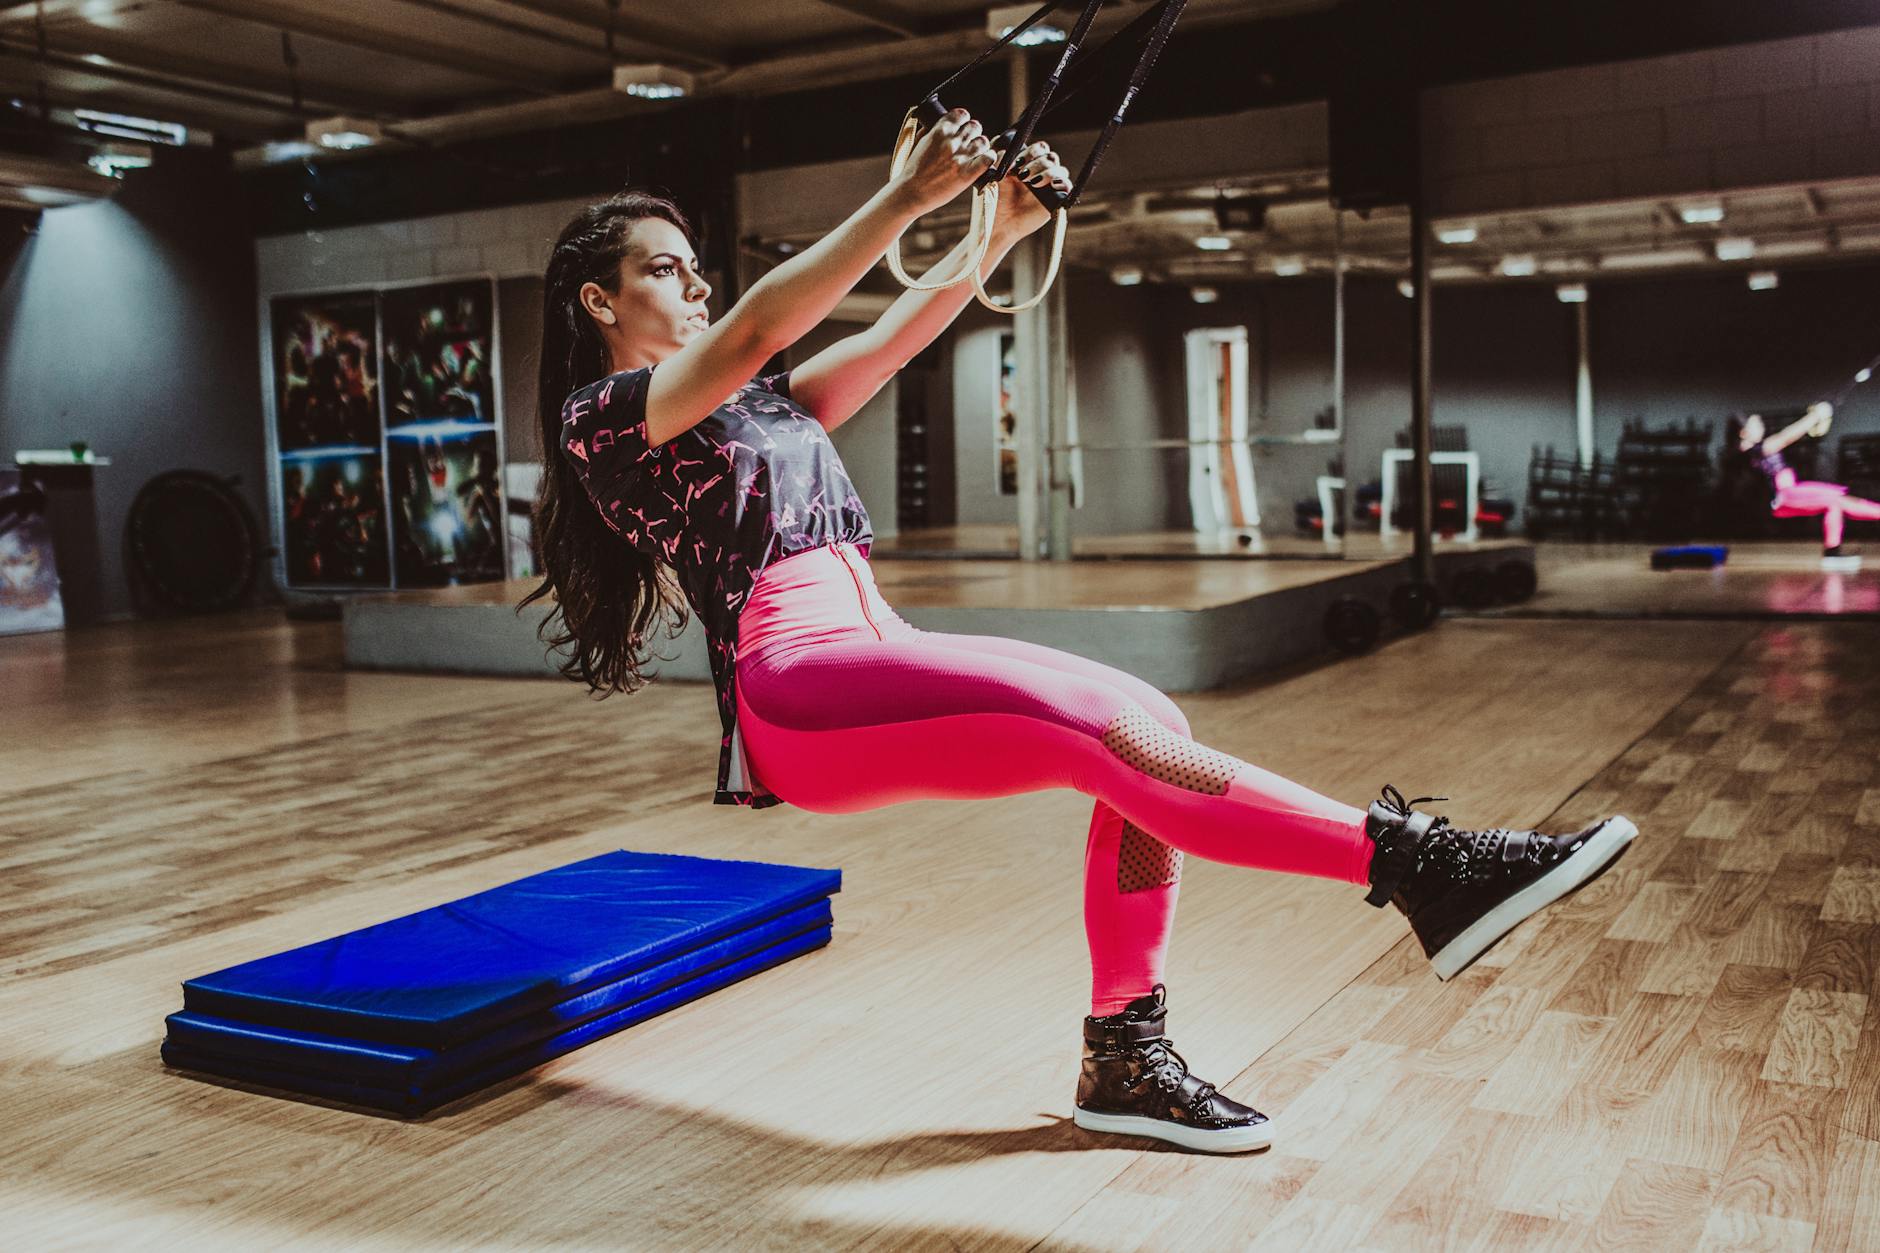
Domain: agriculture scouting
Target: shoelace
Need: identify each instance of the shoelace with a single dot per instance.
(1395, 800)
(1168, 1068)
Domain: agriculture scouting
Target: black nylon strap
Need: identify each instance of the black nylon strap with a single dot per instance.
(1148, 31)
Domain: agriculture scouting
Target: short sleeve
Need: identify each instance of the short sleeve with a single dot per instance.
(603, 435)
(776, 384)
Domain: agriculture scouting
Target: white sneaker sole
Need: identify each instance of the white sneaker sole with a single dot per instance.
(1606, 843)
(1200, 1139)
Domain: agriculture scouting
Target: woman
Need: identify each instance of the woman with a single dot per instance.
(829, 700)
(1803, 498)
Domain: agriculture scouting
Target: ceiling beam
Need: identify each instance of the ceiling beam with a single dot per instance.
(880, 15)
(464, 13)
(402, 45)
(24, 72)
(121, 53)
(658, 38)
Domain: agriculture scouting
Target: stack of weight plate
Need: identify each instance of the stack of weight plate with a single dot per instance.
(411, 1013)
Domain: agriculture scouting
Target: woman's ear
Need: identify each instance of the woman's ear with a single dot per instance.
(594, 299)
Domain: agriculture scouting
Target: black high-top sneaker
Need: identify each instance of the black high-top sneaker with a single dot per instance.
(1464, 890)
(1134, 1084)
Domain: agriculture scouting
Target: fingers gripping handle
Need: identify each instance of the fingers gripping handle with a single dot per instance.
(978, 231)
(985, 212)
(930, 111)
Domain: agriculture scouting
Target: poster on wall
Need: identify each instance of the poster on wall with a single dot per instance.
(333, 515)
(448, 523)
(326, 410)
(29, 577)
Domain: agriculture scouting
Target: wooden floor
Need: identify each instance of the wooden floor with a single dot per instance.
(1686, 1054)
(1766, 579)
(988, 539)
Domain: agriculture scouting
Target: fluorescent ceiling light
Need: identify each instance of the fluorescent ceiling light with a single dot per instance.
(1287, 267)
(127, 126)
(1001, 21)
(1126, 276)
(1204, 295)
(1455, 234)
(1519, 266)
(113, 159)
(1763, 280)
(1571, 293)
(1213, 243)
(653, 82)
(1734, 249)
(1652, 259)
(1700, 212)
(1406, 289)
(344, 133)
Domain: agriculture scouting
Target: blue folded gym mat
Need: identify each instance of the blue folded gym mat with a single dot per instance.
(411, 1013)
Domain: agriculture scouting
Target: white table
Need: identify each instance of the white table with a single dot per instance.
(1472, 463)
(1329, 486)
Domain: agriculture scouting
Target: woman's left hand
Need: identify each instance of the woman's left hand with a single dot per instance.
(1019, 211)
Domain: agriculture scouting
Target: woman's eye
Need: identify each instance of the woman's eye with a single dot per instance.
(664, 269)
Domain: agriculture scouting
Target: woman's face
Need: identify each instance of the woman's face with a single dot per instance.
(658, 305)
(1752, 433)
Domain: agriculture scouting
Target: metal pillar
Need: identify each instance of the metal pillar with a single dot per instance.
(1347, 509)
(1028, 346)
(1583, 392)
(1062, 428)
(1422, 560)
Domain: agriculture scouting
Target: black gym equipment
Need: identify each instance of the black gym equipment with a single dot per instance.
(191, 543)
(1414, 605)
(1515, 581)
(1352, 625)
(1473, 588)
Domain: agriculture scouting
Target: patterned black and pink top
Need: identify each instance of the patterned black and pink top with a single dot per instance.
(756, 481)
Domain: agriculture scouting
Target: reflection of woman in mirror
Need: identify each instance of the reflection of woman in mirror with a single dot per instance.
(1803, 498)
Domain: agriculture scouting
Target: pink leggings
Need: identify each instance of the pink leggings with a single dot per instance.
(842, 706)
(1805, 498)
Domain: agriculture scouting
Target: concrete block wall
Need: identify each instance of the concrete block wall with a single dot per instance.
(1789, 110)
(510, 242)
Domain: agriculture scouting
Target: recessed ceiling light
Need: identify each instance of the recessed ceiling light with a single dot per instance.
(1518, 266)
(1456, 235)
(1406, 289)
(1126, 276)
(1700, 212)
(1001, 21)
(1204, 295)
(344, 133)
(653, 82)
(1213, 243)
(1734, 249)
(1571, 293)
(1763, 280)
(1287, 267)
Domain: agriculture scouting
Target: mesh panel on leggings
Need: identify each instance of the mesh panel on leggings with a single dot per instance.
(1144, 862)
(1152, 748)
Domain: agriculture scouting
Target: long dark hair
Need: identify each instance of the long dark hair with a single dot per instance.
(607, 594)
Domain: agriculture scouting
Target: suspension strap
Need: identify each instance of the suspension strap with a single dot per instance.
(1072, 72)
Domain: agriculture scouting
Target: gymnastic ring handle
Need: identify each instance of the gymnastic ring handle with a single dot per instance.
(1050, 273)
(985, 205)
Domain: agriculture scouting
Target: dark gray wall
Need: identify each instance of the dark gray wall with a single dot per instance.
(130, 324)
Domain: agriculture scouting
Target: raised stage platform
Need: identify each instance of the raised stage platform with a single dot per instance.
(1182, 621)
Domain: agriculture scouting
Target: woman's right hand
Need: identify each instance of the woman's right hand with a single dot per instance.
(946, 160)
